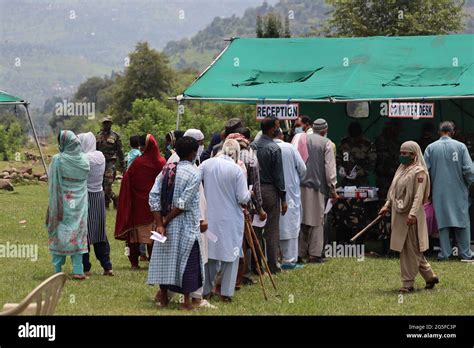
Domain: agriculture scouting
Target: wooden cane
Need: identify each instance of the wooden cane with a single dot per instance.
(248, 237)
(262, 254)
(377, 219)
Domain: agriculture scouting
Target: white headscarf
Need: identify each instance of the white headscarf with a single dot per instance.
(88, 144)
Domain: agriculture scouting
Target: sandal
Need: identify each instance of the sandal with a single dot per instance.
(79, 277)
(405, 290)
(431, 283)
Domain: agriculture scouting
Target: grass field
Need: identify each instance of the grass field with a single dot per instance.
(338, 287)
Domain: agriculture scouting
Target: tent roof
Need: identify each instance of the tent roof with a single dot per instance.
(8, 98)
(340, 69)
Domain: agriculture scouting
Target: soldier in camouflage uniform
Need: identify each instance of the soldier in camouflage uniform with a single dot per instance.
(109, 143)
(387, 146)
(355, 158)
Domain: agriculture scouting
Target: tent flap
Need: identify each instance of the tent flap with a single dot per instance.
(8, 98)
(315, 69)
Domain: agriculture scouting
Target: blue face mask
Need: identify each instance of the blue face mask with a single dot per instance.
(298, 130)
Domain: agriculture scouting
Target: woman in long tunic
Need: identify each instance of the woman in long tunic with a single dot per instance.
(135, 220)
(177, 264)
(96, 218)
(66, 218)
(408, 192)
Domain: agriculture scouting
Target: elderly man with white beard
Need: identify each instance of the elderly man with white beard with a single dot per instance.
(226, 190)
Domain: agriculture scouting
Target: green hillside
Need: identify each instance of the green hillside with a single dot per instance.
(304, 16)
(61, 43)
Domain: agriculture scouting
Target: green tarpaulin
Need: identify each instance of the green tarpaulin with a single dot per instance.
(7, 98)
(340, 69)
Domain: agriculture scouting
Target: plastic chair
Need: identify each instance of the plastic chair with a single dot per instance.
(41, 301)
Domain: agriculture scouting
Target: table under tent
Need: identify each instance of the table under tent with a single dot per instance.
(415, 79)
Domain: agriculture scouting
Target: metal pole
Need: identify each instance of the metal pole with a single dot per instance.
(177, 114)
(326, 100)
(36, 139)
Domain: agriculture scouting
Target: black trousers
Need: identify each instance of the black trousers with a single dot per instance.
(102, 253)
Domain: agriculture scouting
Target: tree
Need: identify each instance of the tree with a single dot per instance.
(88, 90)
(259, 29)
(287, 32)
(273, 27)
(147, 76)
(394, 17)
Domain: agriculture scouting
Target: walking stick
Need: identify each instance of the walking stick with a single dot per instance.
(248, 237)
(377, 219)
(261, 252)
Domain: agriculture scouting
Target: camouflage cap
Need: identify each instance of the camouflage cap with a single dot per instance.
(107, 118)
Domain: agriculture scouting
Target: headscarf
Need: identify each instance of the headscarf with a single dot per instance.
(133, 209)
(69, 164)
(243, 142)
(88, 144)
(419, 165)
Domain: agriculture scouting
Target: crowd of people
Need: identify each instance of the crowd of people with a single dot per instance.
(185, 212)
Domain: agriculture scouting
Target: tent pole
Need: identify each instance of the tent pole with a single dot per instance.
(36, 139)
(177, 114)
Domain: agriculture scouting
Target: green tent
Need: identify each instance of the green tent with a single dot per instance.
(8, 99)
(339, 70)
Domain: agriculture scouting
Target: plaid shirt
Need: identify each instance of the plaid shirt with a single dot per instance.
(169, 259)
(253, 176)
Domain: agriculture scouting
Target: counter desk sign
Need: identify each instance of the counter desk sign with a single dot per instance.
(410, 110)
(288, 111)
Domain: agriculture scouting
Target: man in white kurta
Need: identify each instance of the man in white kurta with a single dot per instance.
(225, 188)
(294, 170)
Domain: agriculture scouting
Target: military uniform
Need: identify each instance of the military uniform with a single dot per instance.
(110, 145)
(358, 152)
(388, 151)
(349, 215)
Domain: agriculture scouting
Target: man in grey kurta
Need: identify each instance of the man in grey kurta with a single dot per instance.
(318, 184)
(451, 171)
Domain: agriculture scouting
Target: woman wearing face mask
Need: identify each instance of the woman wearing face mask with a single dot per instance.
(408, 192)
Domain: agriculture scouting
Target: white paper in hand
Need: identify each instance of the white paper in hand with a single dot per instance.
(211, 236)
(328, 206)
(158, 237)
(257, 222)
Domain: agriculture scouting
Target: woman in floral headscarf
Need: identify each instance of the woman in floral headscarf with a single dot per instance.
(66, 218)
(408, 192)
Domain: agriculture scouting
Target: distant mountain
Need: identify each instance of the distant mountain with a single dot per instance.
(49, 47)
(305, 15)
(199, 51)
